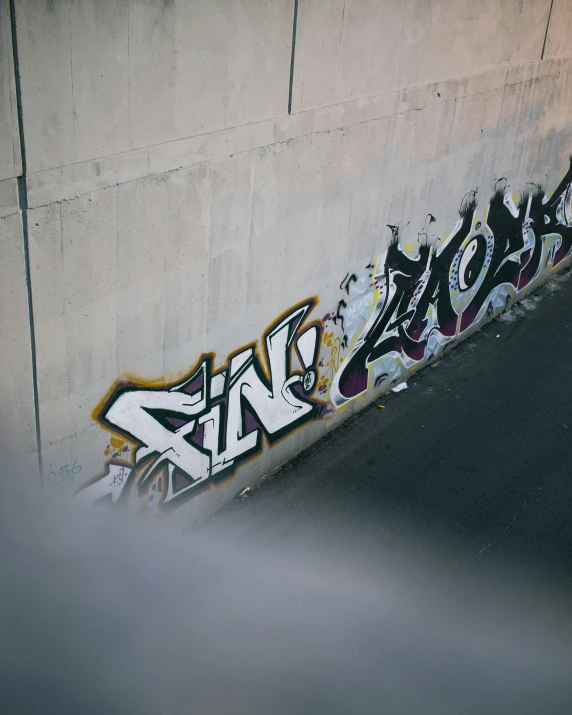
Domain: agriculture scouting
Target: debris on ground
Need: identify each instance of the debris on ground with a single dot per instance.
(244, 493)
(381, 407)
(401, 386)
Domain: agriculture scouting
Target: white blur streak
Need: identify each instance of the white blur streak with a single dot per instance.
(99, 614)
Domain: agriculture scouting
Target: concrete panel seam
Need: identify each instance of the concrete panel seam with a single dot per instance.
(23, 201)
(293, 55)
(53, 195)
(546, 32)
(354, 100)
(71, 78)
(15, 147)
(4, 213)
(102, 187)
(321, 132)
(129, 74)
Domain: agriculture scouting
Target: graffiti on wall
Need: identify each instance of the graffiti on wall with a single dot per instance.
(166, 444)
(198, 431)
(418, 302)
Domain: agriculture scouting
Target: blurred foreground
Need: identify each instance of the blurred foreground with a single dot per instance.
(100, 615)
(417, 562)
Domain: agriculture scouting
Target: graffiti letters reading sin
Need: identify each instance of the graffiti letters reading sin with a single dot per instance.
(428, 300)
(198, 431)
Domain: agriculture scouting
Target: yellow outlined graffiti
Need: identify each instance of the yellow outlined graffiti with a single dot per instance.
(193, 433)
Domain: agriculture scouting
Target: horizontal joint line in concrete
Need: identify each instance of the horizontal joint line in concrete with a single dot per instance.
(55, 191)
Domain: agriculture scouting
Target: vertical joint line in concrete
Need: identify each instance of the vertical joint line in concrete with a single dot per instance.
(23, 204)
(546, 33)
(294, 28)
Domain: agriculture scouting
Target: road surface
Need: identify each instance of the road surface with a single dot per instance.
(474, 455)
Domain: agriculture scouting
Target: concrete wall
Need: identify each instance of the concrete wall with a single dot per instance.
(349, 49)
(116, 76)
(17, 420)
(176, 209)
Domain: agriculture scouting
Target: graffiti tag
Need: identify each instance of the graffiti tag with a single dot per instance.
(428, 300)
(198, 431)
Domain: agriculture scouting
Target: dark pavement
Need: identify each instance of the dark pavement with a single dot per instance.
(474, 458)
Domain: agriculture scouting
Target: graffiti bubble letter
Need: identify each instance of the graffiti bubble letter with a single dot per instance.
(200, 430)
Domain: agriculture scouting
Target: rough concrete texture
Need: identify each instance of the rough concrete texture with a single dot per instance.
(17, 417)
(358, 48)
(10, 161)
(17, 420)
(177, 209)
(112, 76)
(558, 38)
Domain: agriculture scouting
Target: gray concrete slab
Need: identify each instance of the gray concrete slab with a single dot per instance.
(558, 40)
(10, 160)
(17, 421)
(361, 48)
(112, 76)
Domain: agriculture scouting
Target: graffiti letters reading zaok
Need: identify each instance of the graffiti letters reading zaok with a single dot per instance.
(426, 301)
(198, 431)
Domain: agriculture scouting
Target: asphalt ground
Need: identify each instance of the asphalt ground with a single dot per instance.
(474, 458)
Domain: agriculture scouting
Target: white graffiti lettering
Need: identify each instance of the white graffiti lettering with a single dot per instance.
(198, 431)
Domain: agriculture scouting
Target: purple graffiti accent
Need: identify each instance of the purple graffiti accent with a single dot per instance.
(198, 435)
(354, 380)
(446, 290)
(249, 421)
(198, 431)
(180, 481)
(195, 385)
(176, 422)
